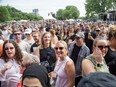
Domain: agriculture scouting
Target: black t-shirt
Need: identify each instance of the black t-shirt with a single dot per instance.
(32, 47)
(89, 42)
(75, 52)
(110, 56)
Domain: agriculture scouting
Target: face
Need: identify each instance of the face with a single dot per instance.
(60, 51)
(31, 82)
(46, 38)
(18, 35)
(10, 50)
(28, 35)
(36, 37)
(103, 46)
(79, 41)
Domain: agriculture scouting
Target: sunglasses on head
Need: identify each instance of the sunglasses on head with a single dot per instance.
(60, 48)
(9, 48)
(17, 34)
(101, 47)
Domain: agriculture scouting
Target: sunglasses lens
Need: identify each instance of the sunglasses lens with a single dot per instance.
(56, 48)
(61, 48)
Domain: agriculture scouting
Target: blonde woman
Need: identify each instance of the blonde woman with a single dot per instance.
(46, 52)
(95, 62)
(64, 71)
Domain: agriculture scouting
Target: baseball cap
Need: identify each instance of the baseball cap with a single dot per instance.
(37, 71)
(98, 79)
(97, 29)
(80, 34)
(28, 31)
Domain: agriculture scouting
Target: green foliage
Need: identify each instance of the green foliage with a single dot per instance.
(59, 14)
(98, 6)
(4, 14)
(70, 12)
(10, 13)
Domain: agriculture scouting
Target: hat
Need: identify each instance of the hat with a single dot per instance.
(37, 71)
(28, 31)
(97, 29)
(80, 34)
(98, 79)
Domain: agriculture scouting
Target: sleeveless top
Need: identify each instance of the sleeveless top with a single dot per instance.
(61, 80)
(48, 58)
(101, 67)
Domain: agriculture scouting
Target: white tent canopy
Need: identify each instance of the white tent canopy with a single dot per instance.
(50, 17)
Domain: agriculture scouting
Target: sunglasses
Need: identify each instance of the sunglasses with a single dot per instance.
(60, 48)
(11, 48)
(17, 34)
(101, 47)
(77, 38)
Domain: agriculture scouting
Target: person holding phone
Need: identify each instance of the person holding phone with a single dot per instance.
(95, 61)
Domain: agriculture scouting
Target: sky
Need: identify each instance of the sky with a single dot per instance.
(45, 6)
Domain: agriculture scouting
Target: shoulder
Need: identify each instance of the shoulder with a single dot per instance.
(86, 63)
(1, 61)
(84, 47)
(69, 62)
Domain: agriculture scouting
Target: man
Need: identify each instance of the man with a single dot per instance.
(35, 76)
(89, 37)
(22, 44)
(34, 46)
(110, 57)
(77, 52)
(29, 39)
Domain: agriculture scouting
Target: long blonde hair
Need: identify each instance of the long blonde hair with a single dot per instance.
(42, 42)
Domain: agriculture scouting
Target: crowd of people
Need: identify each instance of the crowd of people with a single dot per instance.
(56, 53)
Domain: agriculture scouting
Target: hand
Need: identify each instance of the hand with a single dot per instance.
(97, 54)
(52, 74)
(90, 37)
(8, 66)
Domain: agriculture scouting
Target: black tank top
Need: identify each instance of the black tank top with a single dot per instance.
(47, 55)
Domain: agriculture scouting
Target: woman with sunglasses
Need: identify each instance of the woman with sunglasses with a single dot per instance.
(64, 72)
(95, 61)
(10, 63)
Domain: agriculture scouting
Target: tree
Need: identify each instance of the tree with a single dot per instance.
(10, 13)
(98, 6)
(59, 14)
(4, 14)
(70, 12)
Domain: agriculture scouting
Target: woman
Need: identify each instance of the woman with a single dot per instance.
(46, 52)
(64, 71)
(53, 36)
(95, 61)
(10, 62)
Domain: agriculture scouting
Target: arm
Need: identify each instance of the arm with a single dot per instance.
(70, 70)
(87, 67)
(5, 68)
(37, 53)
